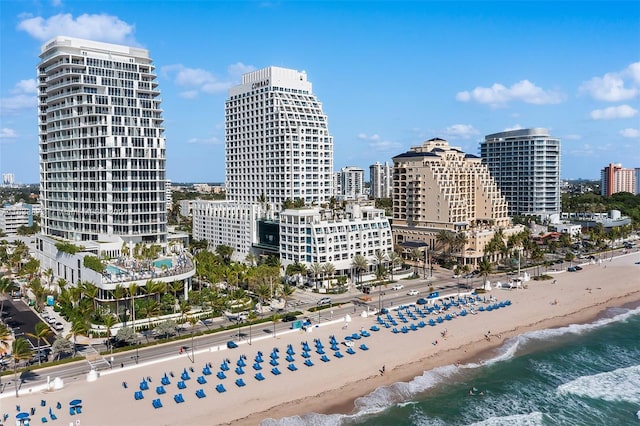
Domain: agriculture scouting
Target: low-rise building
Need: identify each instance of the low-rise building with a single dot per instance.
(315, 235)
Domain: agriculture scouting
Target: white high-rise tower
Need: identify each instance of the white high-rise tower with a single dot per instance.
(102, 144)
(277, 140)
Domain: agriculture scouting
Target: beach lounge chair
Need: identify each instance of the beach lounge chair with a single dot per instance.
(395, 331)
(78, 410)
(44, 420)
(404, 329)
(292, 367)
(338, 354)
(305, 354)
(202, 380)
(224, 366)
(259, 359)
(221, 375)
(43, 403)
(290, 350)
(157, 403)
(413, 327)
(275, 371)
(165, 381)
(137, 395)
(274, 362)
(240, 382)
(160, 390)
(241, 363)
(363, 347)
(181, 385)
(178, 398)
(185, 375)
(206, 371)
(375, 328)
(289, 358)
(220, 388)
(144, 385)
(53, 416)
(350, 351)
(308, 363)
(320, 351)
(257, 366)
(200, 393)
(239, 370)
(259, 376)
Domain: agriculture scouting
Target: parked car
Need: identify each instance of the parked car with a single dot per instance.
(397, 287)
(58, 326)
(578, 268)
(324, 301)
(231, 344)
(51, 320)
(571, 269)
(413, 293)
(421, 301)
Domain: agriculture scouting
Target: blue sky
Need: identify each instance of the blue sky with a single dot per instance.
(390, 74)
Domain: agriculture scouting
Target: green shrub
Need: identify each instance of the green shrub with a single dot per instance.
(92, 262)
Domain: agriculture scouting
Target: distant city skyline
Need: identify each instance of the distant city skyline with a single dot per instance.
(390, 75)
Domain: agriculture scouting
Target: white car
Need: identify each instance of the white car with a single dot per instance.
(58, 326)
(397, 287)
(413, 293)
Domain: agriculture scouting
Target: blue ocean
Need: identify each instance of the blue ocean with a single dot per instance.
(587, 374)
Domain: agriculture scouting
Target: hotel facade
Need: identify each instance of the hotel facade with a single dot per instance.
(440, 188)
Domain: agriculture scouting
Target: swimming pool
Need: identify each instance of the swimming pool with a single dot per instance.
(164, 262)
(114, 270)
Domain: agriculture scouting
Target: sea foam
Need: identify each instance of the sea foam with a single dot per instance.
(622, 384)
(512, 345)
(531, 419)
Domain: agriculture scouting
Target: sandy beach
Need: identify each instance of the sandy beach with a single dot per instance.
(331, 387)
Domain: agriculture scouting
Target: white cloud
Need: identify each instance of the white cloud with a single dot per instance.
(376, 143)
(26, 86)
(615, 86)
(621, 111)
(630, 133)
(6, 133)
(23, 97)
(462, 131)
(102, 27)
(198, 80)
(500, 95)
(572, 137)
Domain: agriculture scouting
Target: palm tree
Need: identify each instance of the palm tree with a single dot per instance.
(79, 327)
(328, 269)
(394, 260)
(6, 287)
(21, 351)
(118, 293)
(316, 270)
(49, 274)
(41, 331)
(109, 320)
(486, 268)
(360, 264)
(90, 290)
(5, 337)
(444, 241)
(132, 290)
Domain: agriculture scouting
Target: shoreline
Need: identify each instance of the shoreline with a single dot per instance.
(351, 391)
(332, 388)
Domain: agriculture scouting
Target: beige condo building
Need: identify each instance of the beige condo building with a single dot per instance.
(438, 187)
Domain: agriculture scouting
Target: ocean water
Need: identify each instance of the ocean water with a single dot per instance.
(587, 374)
